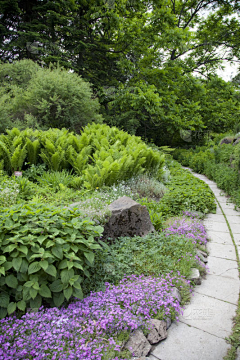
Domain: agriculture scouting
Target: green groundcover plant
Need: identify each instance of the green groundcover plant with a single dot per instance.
(44, 253)
(219, 163)
(185, 193)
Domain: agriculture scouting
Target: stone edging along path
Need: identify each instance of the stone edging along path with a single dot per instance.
(207, 320)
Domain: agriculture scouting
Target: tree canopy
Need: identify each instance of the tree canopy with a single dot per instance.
(142, 57)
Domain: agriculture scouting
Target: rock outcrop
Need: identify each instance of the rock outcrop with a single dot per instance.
(128, 219)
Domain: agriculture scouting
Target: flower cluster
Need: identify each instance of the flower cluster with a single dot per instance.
(191, 228)
(9, 190)
(88, 329)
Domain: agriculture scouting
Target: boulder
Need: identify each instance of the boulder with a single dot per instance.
(202, 256)
(168, 322)
(137, 344)
(195, 276)
(176, 294)
(237, 141)
(158, 331)
(227, 140)
(128, 218)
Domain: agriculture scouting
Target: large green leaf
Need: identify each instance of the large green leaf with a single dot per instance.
(34, 267)
(58, 299)
(2, 259)
(12, 281)
(45, 291)
(33, 293)
(21, 305)
(89, 256)
(68, 292)
(44, 264)
(26, 294)
(78, 293)
(36, 303)
(3, 312)
(66, 275)
(17, 262)
(63, 264)
(51, 270)
(4, 299)
(56, 286)
(11, 308)
(24, 267)
(57, 251)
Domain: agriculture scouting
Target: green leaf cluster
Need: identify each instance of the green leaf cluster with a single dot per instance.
(44, 253)
(100, 155)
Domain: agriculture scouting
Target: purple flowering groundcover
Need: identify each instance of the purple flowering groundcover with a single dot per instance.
(88, 329)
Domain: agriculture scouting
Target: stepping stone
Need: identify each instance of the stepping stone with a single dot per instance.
(224, 251)
(189, 343)
(211, 315)
(223, 267)
(221, 288)
(215, 226)
(219, 237)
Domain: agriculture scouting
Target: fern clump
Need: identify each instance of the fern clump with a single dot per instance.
(101, 155)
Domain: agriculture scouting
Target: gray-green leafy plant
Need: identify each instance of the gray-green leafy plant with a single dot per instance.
(44, 253)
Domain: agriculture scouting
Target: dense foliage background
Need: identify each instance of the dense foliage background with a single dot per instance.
(152, 65)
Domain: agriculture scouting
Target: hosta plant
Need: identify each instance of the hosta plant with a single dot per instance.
(44, 251)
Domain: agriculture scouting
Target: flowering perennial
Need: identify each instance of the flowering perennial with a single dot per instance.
(88, 329)
(190, 227)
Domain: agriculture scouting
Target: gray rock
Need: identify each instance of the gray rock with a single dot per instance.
(158, 332)
(128, 219)
(237, 141)
(168, 322)
(238, 354)
(137, 344)
(176, 294)
(195, 276)
(227, 140)
(202, 257)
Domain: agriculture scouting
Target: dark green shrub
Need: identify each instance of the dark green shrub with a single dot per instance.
(54, 97)
(44, 252)
(197, 161)
(223, 153)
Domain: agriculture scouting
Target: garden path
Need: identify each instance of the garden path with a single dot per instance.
(207, 320)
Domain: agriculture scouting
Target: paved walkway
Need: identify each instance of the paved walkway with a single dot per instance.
(207, 320)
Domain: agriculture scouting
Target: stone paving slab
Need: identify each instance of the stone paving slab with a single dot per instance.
(211, 315)
(220, 287)
(237, 239)
(207, 320)
(216, 226)
(188, 343)
(223, 267)
(218, 237)
(230, 212)
(224, 251)
(234, 219)
(234, 227)
(226, 207)
(216, 218)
